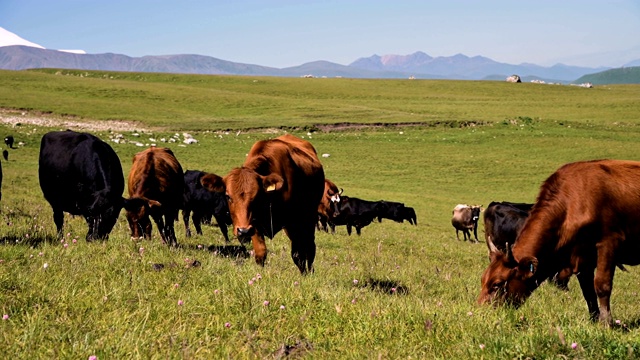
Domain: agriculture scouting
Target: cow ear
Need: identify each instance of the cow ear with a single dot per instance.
(528, 266)
(154, 205)
(213, 183)
(272, 182)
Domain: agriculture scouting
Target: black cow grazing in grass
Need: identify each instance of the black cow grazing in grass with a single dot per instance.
(354, 212)
(81, 175)
(397, 212)
(9, 141)
(204, 204)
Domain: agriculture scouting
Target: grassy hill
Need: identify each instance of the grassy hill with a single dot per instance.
(206, 102)
(628, 75)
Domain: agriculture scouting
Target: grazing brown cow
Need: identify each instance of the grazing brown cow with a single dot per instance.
(327, 207)
(465, 218)
(586, 218)
(278, 186)
(156, 184)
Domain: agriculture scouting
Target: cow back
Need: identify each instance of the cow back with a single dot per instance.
(156, 174)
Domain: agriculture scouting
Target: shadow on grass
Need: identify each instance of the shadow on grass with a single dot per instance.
(229, 251)
(13, 239)
(235, 251)
(390, 287)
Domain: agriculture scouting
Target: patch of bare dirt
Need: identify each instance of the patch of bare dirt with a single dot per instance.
(17, 117)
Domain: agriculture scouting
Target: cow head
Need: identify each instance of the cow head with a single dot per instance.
(475, 213)
(138, 211)
(102, 214)
(507, 281)
(247, 195)
(334, 199)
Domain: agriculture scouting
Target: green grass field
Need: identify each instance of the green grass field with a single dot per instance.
(72, 299)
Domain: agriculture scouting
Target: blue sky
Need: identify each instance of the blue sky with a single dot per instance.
(286, 33)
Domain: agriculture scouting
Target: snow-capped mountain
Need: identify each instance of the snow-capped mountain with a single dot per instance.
(7, 38)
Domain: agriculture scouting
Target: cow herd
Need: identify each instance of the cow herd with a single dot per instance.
(585, 221)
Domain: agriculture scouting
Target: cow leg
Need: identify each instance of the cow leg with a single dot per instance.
(303, 247)
(58, 219)
(161, 229)
(259, 248)
(170, 219)
(457, 235)
(198, 219)
(91, 222)
(185, 219)
(475, 232)
(603, 281)
(333, 228)
(358, 228)
(585, 278)
(147, 230)
(223, 228)
(349, 229)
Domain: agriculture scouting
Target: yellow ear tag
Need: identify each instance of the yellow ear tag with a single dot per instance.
(271, 187)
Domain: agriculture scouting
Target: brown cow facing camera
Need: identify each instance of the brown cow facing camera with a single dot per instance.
(327, 207)
(279, 186)
(156, 184)
(586, 218)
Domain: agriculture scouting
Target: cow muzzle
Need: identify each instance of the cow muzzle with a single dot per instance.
(245, 234)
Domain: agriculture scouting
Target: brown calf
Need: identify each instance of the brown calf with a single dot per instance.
(156, 184)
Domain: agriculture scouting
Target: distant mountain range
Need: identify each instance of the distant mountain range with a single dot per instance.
(19, 54)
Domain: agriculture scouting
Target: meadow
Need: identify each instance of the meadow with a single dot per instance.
(397, 291)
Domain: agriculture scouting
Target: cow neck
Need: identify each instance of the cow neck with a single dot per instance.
(539, 239)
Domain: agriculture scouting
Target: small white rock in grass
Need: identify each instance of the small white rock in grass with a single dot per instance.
(190, 141)
(326, 155)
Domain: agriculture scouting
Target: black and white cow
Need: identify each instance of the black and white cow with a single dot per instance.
(355, 212)
(81, 175)
(465, 218)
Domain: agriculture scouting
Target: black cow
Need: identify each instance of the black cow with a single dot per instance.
(81, 174)
(9, 141)
(397, 212)
(503, 221)
(502, 224)
(204, 204)
(354, 212)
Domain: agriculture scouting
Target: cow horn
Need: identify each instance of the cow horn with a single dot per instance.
(492, 247)
(508, 251)
(341, 190)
